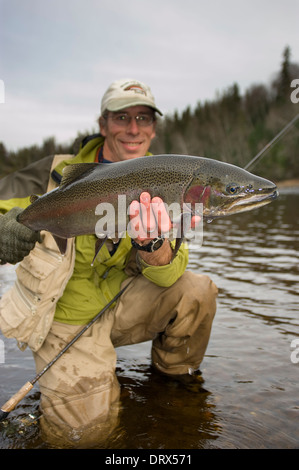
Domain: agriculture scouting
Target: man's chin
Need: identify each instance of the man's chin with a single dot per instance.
(133, 153)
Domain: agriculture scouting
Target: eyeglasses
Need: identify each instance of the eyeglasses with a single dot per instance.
(123, 119)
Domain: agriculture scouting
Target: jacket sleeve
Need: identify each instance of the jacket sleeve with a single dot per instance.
(16, 188)
(165, 276)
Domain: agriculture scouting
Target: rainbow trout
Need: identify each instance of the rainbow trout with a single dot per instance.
(72, 208)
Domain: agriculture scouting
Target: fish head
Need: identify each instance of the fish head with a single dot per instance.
(224, 189)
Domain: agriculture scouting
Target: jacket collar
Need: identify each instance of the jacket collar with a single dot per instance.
(87, 154)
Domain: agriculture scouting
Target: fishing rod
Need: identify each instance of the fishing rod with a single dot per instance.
(17, 397)
(274, 140)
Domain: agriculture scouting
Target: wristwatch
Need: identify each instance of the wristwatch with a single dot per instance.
(150, 247)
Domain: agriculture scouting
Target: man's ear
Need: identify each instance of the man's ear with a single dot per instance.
(102, 124)
(154, 130)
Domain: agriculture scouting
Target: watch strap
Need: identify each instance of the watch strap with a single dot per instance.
(150, 247)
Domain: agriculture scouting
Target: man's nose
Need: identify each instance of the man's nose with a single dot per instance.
(132, 127)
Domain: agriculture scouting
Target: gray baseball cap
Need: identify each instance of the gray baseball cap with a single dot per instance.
(124, 93)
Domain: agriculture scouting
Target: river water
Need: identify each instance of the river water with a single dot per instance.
(251, 368)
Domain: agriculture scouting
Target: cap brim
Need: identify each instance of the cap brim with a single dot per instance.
(128, 104)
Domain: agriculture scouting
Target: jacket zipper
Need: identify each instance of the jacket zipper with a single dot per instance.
(54, 255)
(24, 298)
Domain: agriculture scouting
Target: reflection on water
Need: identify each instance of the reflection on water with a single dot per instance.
(251, 384)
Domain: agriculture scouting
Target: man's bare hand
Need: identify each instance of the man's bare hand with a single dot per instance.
(148, 218)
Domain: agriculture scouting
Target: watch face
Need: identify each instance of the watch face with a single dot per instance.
(153, 245)
(157, 243)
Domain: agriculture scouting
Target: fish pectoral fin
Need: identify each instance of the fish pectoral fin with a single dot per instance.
(182, 226)
(61, 243)
(178, 242)
(99, 243)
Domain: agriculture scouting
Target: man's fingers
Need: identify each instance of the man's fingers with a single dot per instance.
(147, 217)
(161, 215)
(136, 229)
(195, 221)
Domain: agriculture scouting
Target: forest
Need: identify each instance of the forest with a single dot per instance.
(232, 128)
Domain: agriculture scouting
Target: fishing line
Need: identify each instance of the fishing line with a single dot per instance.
(15, 399)
(274, 140)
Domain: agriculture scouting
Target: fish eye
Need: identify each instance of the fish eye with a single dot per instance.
(232, 189)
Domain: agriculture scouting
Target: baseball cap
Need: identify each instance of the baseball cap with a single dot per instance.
(125, 93)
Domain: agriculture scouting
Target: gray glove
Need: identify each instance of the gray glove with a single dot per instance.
(16, 240)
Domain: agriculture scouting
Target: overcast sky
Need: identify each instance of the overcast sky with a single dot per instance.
(57, 57)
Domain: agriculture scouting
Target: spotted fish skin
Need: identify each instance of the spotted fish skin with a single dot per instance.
(70, 209)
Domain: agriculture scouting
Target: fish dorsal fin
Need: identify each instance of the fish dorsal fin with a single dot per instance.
(72, 172)
(33, 197)
(61, 243)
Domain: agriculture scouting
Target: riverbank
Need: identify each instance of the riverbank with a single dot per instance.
(292, 183)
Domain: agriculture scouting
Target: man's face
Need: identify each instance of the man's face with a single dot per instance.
(125, 137)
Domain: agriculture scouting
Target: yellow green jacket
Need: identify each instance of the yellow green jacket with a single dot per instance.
(90, 287)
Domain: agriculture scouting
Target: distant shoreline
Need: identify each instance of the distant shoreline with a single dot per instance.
(293, 183)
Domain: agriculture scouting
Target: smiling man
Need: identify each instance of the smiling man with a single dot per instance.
(55, 295)
(128, 124)
(127, 133)
(128, 120)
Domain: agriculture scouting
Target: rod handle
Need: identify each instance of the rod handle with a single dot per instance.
(14, 400)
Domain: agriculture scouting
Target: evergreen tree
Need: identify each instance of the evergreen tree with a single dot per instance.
(232, 128)
(283, 81)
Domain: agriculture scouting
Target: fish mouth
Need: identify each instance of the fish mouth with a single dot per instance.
(243, 203)
(254, 200)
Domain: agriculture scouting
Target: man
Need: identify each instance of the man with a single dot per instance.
(55, 295)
